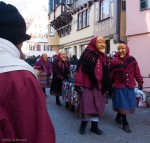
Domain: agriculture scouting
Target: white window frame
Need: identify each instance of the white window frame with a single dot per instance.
(84, 19)
(52, 31)
(80, 21)
(104, 9)
(88, 17)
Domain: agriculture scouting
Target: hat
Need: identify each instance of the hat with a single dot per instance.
(12, 24)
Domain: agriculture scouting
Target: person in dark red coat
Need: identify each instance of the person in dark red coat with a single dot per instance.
(124, 70)
(60, 68)
(23, 113)
(91, 83)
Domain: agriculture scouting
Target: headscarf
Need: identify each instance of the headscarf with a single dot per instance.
(122, 64)
(61, 63)
(92, 44)
(46, 64)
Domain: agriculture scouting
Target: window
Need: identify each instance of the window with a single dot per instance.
(123, 5)
(38, 47)
(75, 50)
(80, 21)
(47, 47)
(83, 19)
(69, 1)
(88, 17)
(52, 31)
(33, 48)
(64, 31)
(104, 9)
(63, 1)
(68, 52)
(83, 48)
(30, 47)
(144, 4)
(51, 3)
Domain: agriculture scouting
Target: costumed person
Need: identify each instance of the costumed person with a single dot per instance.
(91, 83)
(23, 112)
(60, 72)
(45, 70)
(124, 70)
(73, 60)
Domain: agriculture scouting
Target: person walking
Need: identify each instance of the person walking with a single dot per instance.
(45, 70)
(73, 60)
(124, 70)
(23, 113)
(60, 72)
(90, 83)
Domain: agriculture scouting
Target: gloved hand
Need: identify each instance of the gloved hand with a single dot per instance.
(140, 87)
(78, 89)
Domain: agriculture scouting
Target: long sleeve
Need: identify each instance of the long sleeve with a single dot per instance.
(78, 78)
(138, 75)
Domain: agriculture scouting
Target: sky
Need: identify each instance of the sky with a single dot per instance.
(30, 9)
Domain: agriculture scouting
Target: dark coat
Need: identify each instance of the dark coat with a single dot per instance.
(60, 73)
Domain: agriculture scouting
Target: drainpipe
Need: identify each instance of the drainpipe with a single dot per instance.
(54, 8)
(118, 19)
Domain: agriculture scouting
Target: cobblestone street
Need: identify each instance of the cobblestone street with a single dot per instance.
(66, 126)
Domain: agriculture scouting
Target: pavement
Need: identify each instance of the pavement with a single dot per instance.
(67, 124)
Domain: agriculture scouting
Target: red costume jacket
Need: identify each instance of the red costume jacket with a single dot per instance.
(23, 113)
(124, 72)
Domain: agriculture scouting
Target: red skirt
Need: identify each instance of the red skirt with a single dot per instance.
(91, 103)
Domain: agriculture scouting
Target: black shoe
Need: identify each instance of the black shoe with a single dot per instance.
(73, 108)
(118, 120)
(82, 131)
(67, 104)
(58, 103)
(95, 129)
(127, 129)
(83, 127)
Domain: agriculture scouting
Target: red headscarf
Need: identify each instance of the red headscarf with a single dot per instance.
(92, 44)
(61, 63)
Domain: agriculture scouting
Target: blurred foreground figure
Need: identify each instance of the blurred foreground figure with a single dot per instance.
(23, 113)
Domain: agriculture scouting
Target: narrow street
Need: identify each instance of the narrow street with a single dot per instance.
(66, 125)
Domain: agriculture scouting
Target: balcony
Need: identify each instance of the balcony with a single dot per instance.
(61, 18)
